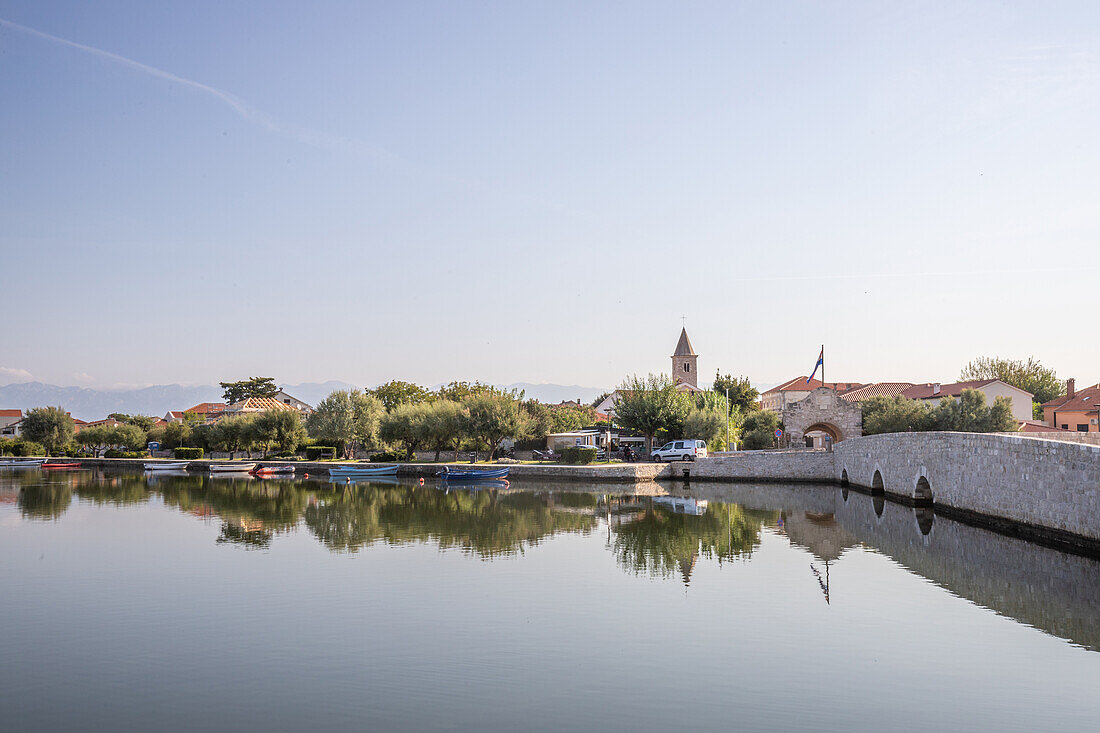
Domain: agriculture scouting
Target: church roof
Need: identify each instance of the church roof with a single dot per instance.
(683, 346)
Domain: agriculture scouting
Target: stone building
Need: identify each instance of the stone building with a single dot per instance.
(685, 363)
(823, 412)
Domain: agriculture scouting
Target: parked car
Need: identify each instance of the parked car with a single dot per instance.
(681, 450)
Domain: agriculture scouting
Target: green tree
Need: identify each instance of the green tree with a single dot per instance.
(743, 395)
(541, 417)
(176, 435)
(233, 433)
(142, 421)
(346, 419)
(282, 429)
(254, 387)
(708, 424)
(50, 426)
(494, 417)
(408, 424)
(603, 396)
(650, 405)
(395, 393)
(1030, 376)
(970, 414)
(758, 429)
(882, 414)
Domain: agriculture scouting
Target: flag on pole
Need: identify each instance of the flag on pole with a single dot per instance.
(818, 365)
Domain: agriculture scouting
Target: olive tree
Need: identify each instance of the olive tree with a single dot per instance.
(493, 417)
(49, 426)
(651, 404)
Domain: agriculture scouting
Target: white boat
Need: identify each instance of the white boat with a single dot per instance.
(231, 467)
(167, 466)
(22, 463)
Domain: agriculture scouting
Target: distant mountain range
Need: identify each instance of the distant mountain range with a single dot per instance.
(96, 404)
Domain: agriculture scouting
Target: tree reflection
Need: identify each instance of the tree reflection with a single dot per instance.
(118, 489)
(485, 523)
(45, 501)
(660, 542)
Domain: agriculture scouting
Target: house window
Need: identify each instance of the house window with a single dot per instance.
(286, 402)
(1082, 428)
(1065, 427)
(687, 367)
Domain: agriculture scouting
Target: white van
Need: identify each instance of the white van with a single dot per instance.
(681, 450)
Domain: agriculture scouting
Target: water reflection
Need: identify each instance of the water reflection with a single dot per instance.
(647, 535)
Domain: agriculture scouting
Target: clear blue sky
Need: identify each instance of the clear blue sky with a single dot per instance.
(539, 191)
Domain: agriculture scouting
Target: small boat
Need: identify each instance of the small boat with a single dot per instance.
(274, 470)
(167, 466)
(471, 474)
(22, 463)
(60, 465)
(242, 467)
(363, 471)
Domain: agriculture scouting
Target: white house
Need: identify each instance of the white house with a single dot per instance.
(934, 392)
(9, 423)
(294, 402)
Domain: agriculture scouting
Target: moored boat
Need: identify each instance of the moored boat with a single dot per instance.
(167, 466)
(22, 462)
(60, 465)
(274, 470)
(242, 467)
(471, 474)
(363, 470)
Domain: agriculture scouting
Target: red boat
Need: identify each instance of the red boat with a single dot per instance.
(60, 465)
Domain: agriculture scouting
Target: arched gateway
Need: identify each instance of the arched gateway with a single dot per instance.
(822, 411)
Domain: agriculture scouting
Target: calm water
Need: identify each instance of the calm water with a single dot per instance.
(185, 603)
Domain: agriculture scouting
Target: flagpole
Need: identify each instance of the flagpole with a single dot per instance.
(823, 365)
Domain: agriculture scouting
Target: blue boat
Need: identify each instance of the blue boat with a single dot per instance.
(363, 471)
(471, 474)
(473, 485)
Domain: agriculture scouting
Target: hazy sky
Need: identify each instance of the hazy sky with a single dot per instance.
(522, 191)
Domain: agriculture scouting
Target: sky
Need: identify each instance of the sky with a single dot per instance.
(545, 191)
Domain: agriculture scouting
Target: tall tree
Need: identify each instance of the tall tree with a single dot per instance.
(743, 395)
(347, 419)
(282, 429)
(494, 417)
(395, 393)
(407, 424)
(708, 424)
(254, 387)
(651, 404)
(1030, 376)
(49, 426)
(758, 429)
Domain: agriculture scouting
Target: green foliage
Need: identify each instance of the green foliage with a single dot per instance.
(175, 435)
(49, 426)
(882, 414)
(316, 452)
(493, 416)
(395, 393)
(21, 448)
(650, 405)
(1030, 376)
(187, 453)
(409, 424)
(388, 456)
(707, 424)
(142, 421)
(347, 418)
(233, 433)
(254, 387)
(596, 402)
(115, 436)
(281, 429)
(758, 429)
(126, 454)
(578, 455)
(743, 395)
(968, 414)
(1037, 410)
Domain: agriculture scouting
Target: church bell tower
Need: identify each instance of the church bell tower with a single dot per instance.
(685, 362)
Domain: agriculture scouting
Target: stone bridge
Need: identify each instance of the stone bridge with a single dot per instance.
(1042, 484)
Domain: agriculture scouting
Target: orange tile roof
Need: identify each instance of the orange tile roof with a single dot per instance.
(878, 389)
(1034, 426)
(206, 407)
(1083, 400)
(798, 384)
(925, 391)
(11, 413)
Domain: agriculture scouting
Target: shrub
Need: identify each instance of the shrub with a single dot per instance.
(389, 456)
(315, 452)
(125, 453)
(182, 453)
(22, 448)
(578, 455)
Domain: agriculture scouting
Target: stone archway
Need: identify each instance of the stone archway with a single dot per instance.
(822, 411)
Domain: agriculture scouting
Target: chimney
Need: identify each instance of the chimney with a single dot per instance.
(1071, 387)
(936, 388)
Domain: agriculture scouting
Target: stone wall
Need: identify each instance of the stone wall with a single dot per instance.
(1090, 438)
(822, 409)
(1053, 485)
(788, 466)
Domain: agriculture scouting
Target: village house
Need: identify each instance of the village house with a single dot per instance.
(9, 423)
(1078, 411)
(934, 392)
(256, 404)
(779, 397)
(294, 402)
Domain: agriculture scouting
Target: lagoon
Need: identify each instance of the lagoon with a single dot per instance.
(199, 603)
